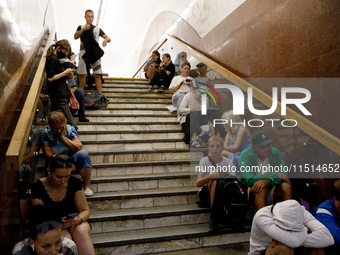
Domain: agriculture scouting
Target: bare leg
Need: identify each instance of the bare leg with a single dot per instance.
(283, 192)
(82, 81)
(81, 235)
(212, 189)
(260, 198)
(98, 82)
(279, 249)
(86, 174)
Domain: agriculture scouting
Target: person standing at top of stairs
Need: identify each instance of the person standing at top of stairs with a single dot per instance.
(85, 32)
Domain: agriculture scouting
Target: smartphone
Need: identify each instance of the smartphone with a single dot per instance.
(71, 216)
(188, 80)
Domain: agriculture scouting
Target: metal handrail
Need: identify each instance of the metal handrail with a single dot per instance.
(319, 134)
(16, 149)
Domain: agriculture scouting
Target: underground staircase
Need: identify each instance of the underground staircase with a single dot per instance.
(145, 197)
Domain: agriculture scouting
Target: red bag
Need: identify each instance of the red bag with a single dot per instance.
(73, 104)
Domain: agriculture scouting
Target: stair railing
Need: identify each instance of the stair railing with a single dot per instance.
(16, 149)
(319, 134)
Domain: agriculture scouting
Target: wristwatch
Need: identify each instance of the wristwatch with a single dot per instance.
(81, 220)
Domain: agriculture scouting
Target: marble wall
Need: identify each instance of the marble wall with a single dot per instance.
(21, 24)
(275, 39)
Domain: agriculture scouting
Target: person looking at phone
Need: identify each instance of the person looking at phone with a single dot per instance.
(63, 191)
(180, 85)
(70, 62)
(57, 76)
(163, 76)
(45, 235)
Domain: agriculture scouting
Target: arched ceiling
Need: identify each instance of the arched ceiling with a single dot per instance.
(126, 22)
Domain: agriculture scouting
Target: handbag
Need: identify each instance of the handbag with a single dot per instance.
(73, 103)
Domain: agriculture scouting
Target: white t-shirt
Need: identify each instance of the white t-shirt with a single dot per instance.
(185, 88)
(225, 167)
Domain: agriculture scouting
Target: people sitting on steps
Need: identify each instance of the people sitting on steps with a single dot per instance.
(152, 64)
(63, 191)
(328, 213)
(287, 228)
(163, 76)
(211, 179)
(181, 85)
(264, 186)
(45, 234)
(60, 138)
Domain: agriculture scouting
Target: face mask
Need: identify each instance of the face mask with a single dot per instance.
(61, 54)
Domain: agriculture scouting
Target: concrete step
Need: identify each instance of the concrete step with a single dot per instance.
(145, 156)
(124, 126)
(143, 198)
(129, 135)
(145, 94)
(133, 145)
(133, 118)
(146, 218)
(125, 81)
(153, 105)
(139, 181)
(127, 110)
(125, 85)
(149, 99)
(164, 239)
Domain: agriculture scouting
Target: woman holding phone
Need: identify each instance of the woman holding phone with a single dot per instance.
(65, 193)
(57, 76)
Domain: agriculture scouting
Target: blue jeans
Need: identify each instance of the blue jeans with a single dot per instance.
(176, 101)
(82, 159)
(80, 96)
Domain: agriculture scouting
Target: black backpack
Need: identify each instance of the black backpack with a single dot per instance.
(96, 101)
(231, 202)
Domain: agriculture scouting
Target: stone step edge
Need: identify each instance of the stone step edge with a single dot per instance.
(175, 150)
(162, 235)
(132, 141)
(129, 132)
(136, 102)
(136, 92)
(131, 109)
(127, 123)
(138, 97)
(135, 194)
(133, 115)
(146, 213)
(140, 177)
(144, 163)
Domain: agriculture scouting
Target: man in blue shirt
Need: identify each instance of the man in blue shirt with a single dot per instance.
(328, 214)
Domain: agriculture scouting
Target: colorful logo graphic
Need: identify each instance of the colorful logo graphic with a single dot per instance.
(204, 99)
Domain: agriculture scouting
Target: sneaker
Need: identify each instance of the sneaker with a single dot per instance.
(88, 193)
(161, 89)
(196, 144)
(149, 89)
(214, 225)
(83, 120)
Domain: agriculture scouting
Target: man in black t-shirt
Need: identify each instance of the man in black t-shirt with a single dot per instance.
(84, 32)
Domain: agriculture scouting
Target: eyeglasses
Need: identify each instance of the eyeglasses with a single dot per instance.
(46, 226)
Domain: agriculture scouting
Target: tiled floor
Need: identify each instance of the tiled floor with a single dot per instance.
(231, 249)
